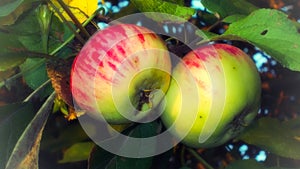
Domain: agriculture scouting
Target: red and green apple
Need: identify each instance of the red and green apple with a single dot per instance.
(121, 73)
(228, 87)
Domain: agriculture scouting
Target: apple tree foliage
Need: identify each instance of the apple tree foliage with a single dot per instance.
(38, 130)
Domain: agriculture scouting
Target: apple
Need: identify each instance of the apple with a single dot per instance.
(228, 91)
(121, 73)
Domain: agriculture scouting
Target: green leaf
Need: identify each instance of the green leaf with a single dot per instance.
(77, 152)
(229, 7)
(30, 33)
(13, 121)
(100, 158)
(250, 164)
(140, 131)
(25, 153)
(179, 2)
(274, 136)
(10, 51)
(233, 18)
(272, 32)
(163, 7)
(35, 73)
(6, 110)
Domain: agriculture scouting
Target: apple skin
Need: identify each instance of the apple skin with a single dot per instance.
(116, 68)
(240, 89)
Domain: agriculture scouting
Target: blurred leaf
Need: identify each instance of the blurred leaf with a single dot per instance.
(77, 152)
(272, 32)
(99, 158)
(273, 136)
(229, 7)
(250, 164)
(162, 161)
(293, 123)
(4, 75)
(25, 153)
(245, 164)
(208, 18)
(130, 163)
(65, 138)
(11, 10)
(129, 9)
(10, 51)
(13, 121)
(163, 7)
(82, 9)
(35, 72)
(185, 167)
(204, 35)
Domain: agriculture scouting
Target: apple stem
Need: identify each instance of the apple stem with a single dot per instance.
(199, 158)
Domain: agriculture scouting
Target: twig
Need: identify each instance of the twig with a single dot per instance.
(198, 157)
(74, 19)
(78, 36)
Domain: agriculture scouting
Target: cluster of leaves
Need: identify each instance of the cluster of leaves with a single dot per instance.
(33, 33)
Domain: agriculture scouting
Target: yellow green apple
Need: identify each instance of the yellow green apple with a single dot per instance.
(228, 93)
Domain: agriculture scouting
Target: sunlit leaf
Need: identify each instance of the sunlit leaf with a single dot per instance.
(77, 152)
(164, 7)
(179, 2)
(233, 18)
(82, 9)
(273, 136)
(229, 7)
(272, 32)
